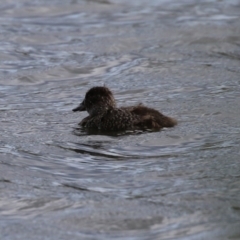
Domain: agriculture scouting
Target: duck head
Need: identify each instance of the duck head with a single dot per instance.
(97, 100)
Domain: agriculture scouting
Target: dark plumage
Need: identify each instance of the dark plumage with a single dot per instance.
(103, 113)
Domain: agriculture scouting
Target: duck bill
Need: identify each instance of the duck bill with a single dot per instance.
(80, 108)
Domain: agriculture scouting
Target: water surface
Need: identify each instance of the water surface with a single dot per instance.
(58, 181)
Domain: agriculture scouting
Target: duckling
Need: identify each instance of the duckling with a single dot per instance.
(104, 114)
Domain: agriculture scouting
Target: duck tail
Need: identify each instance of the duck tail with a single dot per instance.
(152, 122)
(165, 121)
(152, 118)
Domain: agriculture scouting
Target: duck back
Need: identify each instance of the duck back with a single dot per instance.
(151, 118)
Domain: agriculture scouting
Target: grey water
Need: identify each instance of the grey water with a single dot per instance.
(58, 181)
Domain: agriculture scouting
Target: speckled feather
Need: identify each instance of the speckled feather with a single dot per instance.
(112, 119)
(104, 115)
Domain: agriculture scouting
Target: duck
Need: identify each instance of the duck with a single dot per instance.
(104, 114)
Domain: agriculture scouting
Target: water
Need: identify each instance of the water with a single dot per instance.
(58, 181)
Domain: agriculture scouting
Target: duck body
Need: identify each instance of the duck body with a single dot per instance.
(104, 115)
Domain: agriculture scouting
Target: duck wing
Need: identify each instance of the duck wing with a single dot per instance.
(150, 118)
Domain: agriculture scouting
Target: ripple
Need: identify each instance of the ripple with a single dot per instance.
(178, 57)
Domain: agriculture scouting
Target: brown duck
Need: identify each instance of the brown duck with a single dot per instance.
(104, 114)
